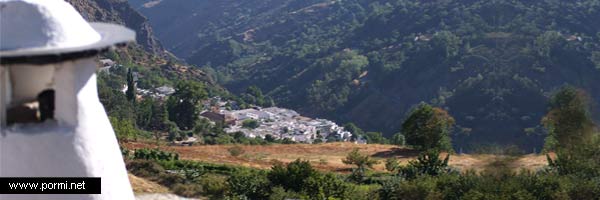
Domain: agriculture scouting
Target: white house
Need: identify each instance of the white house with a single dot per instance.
(165, 90)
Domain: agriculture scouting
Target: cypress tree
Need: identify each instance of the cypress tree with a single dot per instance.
(131, 90)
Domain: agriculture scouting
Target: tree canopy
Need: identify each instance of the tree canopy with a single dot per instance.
(568, 121)
(428, 127)
(183, 104)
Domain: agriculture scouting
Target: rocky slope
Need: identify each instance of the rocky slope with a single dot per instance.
(118, 11)
(147, 51)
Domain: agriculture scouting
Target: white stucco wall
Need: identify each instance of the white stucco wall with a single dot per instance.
(4, 92)
(28, 81)
(80, 143)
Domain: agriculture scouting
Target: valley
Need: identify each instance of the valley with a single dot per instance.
(491, 64)
(222, 99)
(226, 105)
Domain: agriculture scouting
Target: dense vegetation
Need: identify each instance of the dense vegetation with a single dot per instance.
(175, 117)
(491, 64)
(352, 72)
(145, 66)
(573, 173)
(426, 178)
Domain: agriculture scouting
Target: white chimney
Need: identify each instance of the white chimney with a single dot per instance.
(51, 121)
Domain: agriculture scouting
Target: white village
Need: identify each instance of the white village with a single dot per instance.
(274, 122)
(278, 123)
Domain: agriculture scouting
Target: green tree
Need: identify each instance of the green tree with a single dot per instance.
(248, 184)
(269, 138)
(254, 95)
(376, 138)
(250, 124)
(449, 42)
(279, 193)
(568, 122)
(355, 130)
(571, 135)
(124, 129)
(595, 58)
(326, 186)
(362, 163)
(398, 139)
(144, 113)
(236, 151)
(428, 127)
(159, 118)
(334, 89)
(182, 105)
(293, 176)
(116, 103)
(392, 164)
(546, 42)
(131, 86)
(428, 163)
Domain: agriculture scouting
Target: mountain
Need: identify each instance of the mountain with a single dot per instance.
(492, 64)
(147, 52)
(118, 11)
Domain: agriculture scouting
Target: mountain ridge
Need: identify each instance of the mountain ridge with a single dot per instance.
(117, 11)
(492, 64)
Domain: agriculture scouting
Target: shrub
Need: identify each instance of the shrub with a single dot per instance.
(251, 185)
(169, 179)
(391, 164)
(325, 186)
(376, 138)
(214, 185)
(250, 124)
(398, 139)
(424, 188)
(145, 168)
(361, 161)
(155, 154)
(322, 161)
(125, 153)
(428, 163)
(360, 192)
(279, 193)
(236, 151)
(292, 176)
(388, 188)
(187, 190)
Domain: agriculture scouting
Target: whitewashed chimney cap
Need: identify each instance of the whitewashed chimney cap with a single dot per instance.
(30, 28)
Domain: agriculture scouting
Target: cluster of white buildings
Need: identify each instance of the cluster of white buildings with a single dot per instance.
(161, 93)
(283, 123)
(157, 93)
(280, 123)
(105, 65)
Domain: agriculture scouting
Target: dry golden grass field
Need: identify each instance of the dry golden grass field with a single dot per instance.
(328, 156)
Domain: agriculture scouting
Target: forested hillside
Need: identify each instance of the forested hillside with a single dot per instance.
(491, 64)
(129, 78)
